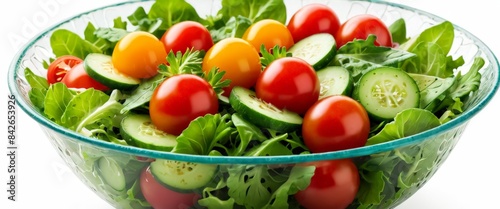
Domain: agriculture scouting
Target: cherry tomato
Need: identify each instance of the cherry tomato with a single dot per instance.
(289, 83)
(179, 100)
(360, 26)
(333, 186)
(138, 55)
(59, 67)
(270, 33)
(335, 123)
(78, 78)
(161, 197)
(239, 60)
(312, 19)
(187, 35)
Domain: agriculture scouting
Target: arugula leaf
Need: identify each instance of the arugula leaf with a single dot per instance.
(235, 27)
(247, 132)
(276, 53)
(212, 196)
(253, 186)
(361, 56)
(406, 123)
(35, 81)
(298, 179)
(255, 10)
(204, 134)
(65, 42)
(118, 23)
(469, 82)
(112, 35)
(142, 94)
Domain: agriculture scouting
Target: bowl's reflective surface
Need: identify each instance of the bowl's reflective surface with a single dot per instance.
(419, 165)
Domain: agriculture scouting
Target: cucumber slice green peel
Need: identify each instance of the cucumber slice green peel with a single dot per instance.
(386, 91)
(139, 130)
(183, 176)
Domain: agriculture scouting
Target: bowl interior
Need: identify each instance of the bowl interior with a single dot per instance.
(467, 45)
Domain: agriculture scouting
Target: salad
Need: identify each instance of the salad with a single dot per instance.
(247, 83)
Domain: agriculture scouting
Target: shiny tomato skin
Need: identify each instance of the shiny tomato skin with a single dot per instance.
(360, 26)
(186, 35)
(313, 19)
(60, 66)
(138, 55)
(180, 99)
(335, 123)
(78, 78)
(333, 186)
(270, 33)
(239, 60)
(161, 197)
(289, 83)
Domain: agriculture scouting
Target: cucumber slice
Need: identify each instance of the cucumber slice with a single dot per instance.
(335, 80)
(138, 129)
(182, 176)
(386, 91)
(317, 50)
(262, 114)
(100, 68)
(111, 174)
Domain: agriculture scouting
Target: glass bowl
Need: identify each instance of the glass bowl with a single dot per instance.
(408, 163)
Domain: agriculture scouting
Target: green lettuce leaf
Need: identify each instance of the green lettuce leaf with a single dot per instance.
(65, 42)
(254, 10)
(441, 34)
(361, 56)
(56, 100)
(406, 123)
(204, 134)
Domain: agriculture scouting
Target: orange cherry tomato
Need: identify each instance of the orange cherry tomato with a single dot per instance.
(270, 33)
(238, 59)
(138, 55)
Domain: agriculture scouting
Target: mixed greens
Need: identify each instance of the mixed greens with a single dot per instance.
(426, 57)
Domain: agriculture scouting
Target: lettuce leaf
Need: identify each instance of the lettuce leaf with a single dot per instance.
(254, 10)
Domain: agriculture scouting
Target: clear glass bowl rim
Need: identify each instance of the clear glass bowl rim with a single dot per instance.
(288, 159)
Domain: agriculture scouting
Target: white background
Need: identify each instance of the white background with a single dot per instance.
(468, 179)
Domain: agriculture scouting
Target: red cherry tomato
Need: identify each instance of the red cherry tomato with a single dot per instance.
(335, 123)
(187, 35)
(268, 33)
(360, 26)
(161, 197)
(289, 83)
(78, 78)
(333, 186)
(59, 67)
(312, 19)
(179, 100)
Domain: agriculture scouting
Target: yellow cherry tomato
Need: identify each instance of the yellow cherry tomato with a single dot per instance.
(239, 60)
(138, 55)
(270, 33)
